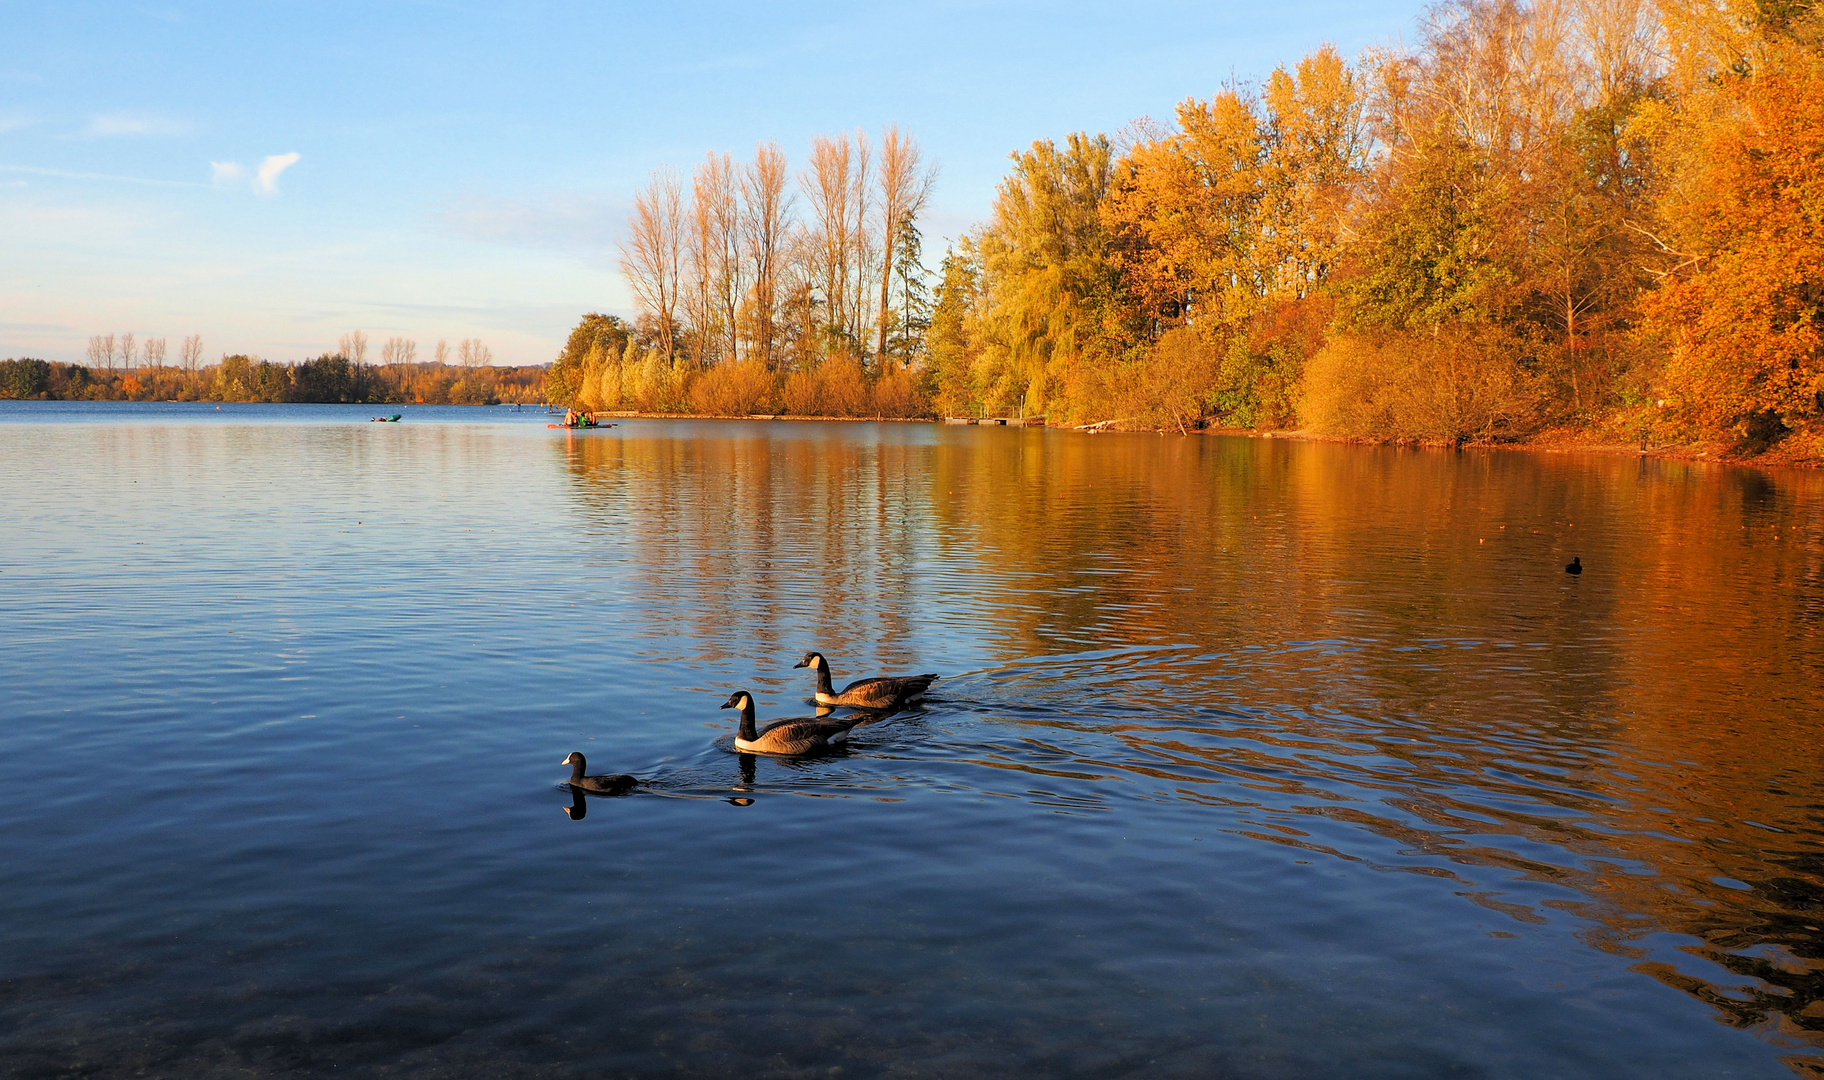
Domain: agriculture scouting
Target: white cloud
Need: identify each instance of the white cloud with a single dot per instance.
(268, 180)
(265, 179)
(13, 121)
(142, 125)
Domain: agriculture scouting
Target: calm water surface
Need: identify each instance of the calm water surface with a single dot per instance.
(1251, 759)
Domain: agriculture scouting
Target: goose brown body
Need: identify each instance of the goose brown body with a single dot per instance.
(882, 692)
(790, 737)
(607, 784)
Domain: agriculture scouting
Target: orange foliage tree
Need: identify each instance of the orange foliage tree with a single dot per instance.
(1742, 313)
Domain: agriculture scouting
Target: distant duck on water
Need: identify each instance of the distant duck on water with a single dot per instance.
(885, 692)
(1575, 566)
(616, 784)
(794, 737)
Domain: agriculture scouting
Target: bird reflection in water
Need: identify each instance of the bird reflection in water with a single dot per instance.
(579, 806)
(749, 769)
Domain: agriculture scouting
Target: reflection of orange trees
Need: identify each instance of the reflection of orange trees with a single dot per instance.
(770, 544)
(1343, 643)
(1349, 611)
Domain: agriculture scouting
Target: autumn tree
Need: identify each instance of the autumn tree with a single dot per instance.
(1741, 300)
(950, 341)
(595, 342)
(1052, 301)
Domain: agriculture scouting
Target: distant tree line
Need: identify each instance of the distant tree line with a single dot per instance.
(329, 378)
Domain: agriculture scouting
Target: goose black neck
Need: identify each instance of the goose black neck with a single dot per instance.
(576, 771)
(823, 678)
(747, 720)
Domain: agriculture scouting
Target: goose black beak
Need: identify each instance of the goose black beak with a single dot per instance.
(730, 703)
(801, 663)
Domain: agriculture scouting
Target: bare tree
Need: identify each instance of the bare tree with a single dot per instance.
(442, 353)
(766, 209)
(724, 210)
(650, 258)
(701, 310)
(837, 185)
(101, 351)
(1497, 73)
(474, 354)
(155, 352)
(714, 250)
(1622, 38)
(354, 345)
(193, 351)
(129, 356)
(398, 350)
(905, 185)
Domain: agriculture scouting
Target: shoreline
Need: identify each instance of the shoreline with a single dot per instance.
(1563, 442)
(1557, 441)
(1550, 442)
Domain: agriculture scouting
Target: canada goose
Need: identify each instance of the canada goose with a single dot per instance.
(786, 736)
(886, 692)
(1575, 566)
(597, 785)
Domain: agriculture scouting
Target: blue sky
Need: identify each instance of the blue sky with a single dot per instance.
(463, 169)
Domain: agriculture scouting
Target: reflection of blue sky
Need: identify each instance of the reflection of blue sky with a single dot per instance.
(462, 169)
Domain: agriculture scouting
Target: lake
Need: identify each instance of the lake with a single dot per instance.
(1251, 758)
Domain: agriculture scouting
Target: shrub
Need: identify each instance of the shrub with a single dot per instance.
(845, 388)
(734, 389)
(896, 394)
(652, 384)
(802, 394)
(1452, 387)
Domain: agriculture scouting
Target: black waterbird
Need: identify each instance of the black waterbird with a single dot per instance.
(616, 784)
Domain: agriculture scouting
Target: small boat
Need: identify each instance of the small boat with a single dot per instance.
(393, 419)
(585, 422)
